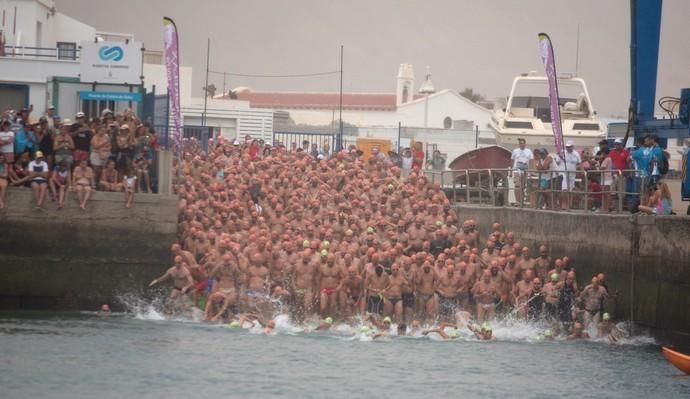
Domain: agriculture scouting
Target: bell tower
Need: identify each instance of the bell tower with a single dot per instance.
(405, 90)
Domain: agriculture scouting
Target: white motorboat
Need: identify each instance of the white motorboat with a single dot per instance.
(526, 114)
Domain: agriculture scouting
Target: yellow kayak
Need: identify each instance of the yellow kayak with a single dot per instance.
(680, 360)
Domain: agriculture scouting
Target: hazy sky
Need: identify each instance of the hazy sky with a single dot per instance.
(481, 44)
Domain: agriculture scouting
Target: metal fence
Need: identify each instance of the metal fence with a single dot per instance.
(58, 53)
(542, 189)
(200, 133)
(299, 138)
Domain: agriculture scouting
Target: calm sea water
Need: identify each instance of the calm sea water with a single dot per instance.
(141, 356)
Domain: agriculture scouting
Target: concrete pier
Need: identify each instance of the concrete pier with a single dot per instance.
(74, 259)
(646, 258)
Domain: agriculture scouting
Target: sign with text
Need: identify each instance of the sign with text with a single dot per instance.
(109, 96)
(110, 62)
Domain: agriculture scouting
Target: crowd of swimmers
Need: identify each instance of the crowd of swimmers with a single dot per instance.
(342, 239)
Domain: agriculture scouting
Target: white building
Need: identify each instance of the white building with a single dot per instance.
(232, 118)
(48, 58)
(446, 108)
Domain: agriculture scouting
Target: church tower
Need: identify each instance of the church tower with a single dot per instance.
(405, 91)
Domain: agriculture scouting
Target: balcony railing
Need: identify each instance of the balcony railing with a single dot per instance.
(48, 53)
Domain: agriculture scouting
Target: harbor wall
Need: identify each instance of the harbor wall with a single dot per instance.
(74, 259)
(646, 259)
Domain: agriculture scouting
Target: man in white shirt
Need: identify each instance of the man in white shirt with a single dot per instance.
(39, 174)
(520, 157)
(572, 161)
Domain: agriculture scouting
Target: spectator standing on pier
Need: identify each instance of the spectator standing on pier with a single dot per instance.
(438, 162)
(521, 157)
(407, 159)
(572, 161)
(418, 156)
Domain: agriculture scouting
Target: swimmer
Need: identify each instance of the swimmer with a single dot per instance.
(483, 332)
(270, 326)
(578, 332)
(401, 331)
(326, 324)
(451, 335)
(105, 310)
(182, 280)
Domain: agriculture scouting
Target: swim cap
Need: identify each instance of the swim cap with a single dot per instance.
(486, 326)
(370, 229)
(554, 276)
(235, 324)
(326, 244)
(364, 329)
(453, 334)
(439, 223)
(548, 333)
(387, 319)
(324, 252)
(305, 244)
(606, 316)
(329, 320)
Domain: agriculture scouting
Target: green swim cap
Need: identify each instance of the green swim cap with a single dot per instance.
(370, 229)
(324, 252)
(606, 316)
(305, 244)
(387, 319)
(235, 324)
(554, 276)
(548, 333)
(453, 334)
(364, 329)
(329, 320)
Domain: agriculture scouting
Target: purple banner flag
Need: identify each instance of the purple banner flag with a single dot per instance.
(547, 58)
(172, 66)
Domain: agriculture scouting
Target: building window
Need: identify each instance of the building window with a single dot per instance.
(405, 94)
(67, 51)
(447, 123)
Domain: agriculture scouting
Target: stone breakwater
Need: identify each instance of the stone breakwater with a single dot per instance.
(646, 259)
(71, 259)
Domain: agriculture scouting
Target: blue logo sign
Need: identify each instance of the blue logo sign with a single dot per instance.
(114, 53)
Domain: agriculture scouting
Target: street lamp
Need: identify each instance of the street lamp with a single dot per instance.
(426, 89)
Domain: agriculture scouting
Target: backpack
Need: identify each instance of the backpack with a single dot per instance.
(663, 164)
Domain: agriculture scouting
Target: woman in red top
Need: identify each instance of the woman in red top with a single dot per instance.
(254, 150)
(417, 156)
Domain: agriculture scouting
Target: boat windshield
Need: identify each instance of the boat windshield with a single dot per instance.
(531, 99)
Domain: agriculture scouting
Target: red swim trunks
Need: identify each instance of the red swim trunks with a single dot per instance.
(328, 291)
(201, 286)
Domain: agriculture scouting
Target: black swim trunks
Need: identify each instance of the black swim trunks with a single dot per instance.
(375, 304)
(408, 300)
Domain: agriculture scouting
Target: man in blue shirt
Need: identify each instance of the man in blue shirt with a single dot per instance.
(656, 157)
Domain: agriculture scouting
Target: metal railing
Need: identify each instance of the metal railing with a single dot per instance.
(55, 53)
(542, 189)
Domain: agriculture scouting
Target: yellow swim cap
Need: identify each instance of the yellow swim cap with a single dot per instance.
(370, 229)
(453, 334)
(387, 320)
(364, 329)
(305, 244)
(324, 252)
(329, 320)
(326, 244)
(554, 276)
(548, 333)
(606, 316)
(235, 324)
